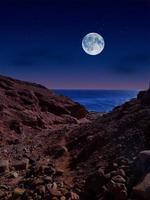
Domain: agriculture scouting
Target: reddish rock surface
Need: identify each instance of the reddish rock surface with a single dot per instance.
(112, 142)
(34, 122)
(52, 148)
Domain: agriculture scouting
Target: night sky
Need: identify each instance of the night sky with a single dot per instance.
(40, 41)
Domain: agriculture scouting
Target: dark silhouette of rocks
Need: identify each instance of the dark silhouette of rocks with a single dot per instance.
(52, 148)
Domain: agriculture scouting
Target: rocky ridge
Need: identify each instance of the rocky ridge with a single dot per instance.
(111, 152)
(33, 124)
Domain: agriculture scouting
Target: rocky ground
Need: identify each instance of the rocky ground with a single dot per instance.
(51, 148)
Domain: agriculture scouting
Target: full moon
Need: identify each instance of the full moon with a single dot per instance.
(93, 44)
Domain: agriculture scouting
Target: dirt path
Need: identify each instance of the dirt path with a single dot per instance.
(63, 164)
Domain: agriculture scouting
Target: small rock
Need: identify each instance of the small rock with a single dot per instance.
(90, 138)
(95, 181)
(119, 179)
(5, 187)
(37, 181)
(54, 185)
(121, 172)
(115, 165)
(61, 184)
(13, 175)
(48, 170)
(108, 176)
(124, 161)
(64, 191)
(59, 172)
(52, 188)
(21, 164)
(59, 151)
(2, 194)
(4, 166)
(117, 190)
(47, 179)
(74, 196)
(55, 198)
(16, 126)
(5, 151)
(41, 189)
(63, 198)
(18, 192)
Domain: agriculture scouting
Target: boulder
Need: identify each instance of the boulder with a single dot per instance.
(143, 162)
(142, 189)
(144, 97)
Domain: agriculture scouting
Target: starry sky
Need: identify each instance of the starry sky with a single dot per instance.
(40, 41)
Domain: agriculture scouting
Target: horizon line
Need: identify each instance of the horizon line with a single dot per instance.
(94, 89)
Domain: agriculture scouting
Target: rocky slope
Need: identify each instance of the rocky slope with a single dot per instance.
(33, 124)
(51, 148)
(109, 155)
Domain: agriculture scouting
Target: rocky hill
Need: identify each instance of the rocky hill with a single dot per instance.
(33, 119)
(52, 148)
(109, 153)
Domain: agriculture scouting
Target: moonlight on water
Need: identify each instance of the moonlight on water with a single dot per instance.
(93, 44)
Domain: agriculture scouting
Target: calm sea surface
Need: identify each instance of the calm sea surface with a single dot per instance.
(99, 100)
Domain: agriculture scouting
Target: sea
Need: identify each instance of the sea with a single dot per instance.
(99, 100)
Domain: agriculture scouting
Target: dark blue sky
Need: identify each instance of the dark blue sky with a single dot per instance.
(40, 41)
